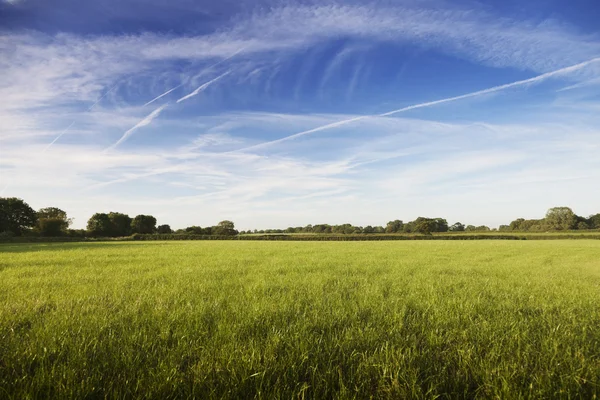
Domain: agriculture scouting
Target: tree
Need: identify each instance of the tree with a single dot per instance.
(143, 224)
(457, 227)
(52, 221)
(368, 229)
(100, 225)
(394, 226)
(560, 219)
(582, 226)
(424, 225)
(16, 216)
(594, 221)
(164, 229)
(121, 224)
(224, 228)
(441, 225)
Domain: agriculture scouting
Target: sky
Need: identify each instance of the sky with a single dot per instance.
(277, 113)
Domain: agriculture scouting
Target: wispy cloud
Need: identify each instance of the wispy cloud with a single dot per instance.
(536, 79)
(146, 121)
(203, 87)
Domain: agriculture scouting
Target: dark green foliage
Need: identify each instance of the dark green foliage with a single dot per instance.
(395, 226)
(51, 226)
(16, 216)
(162, 229)
(197, 230)
(143, 224)
(52, 221)
(100, 225)
(224, 228)
(457, 227)
(594, 221)
(121, 224)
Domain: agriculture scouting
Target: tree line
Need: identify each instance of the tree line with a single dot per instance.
(17, 218)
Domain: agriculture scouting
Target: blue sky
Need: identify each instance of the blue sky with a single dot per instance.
(281, 113)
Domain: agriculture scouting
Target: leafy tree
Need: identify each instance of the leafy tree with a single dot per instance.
(394, 226)
(424, 226)
(52, 221)
(16, 216)
(594, 221)
(54, 213)
(51, 227)
(164, 229)
(441, 225)
(143, 224)
(224, 228)
(457, 227)
(368, 229)
(100, 225)
(560, 219)
(121, 224)
(524, 225)
(582, 226)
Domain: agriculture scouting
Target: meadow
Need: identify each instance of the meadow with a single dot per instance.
(251, 319)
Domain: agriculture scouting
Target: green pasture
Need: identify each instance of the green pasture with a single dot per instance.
(312, 320)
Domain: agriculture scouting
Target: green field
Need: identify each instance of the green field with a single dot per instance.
(243, 319)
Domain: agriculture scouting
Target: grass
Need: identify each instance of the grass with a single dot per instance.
(445, 319)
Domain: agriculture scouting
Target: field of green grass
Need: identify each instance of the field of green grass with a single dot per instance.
(244, 319)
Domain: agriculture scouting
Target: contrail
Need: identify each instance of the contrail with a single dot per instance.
(207, 68)
(73, 122)
(203, 86)
(494, 89)
(164, 94)
(140, 124)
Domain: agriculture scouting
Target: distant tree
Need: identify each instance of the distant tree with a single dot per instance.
(379, 229)
(594, 221)
(164, 229)
(194, 230)
(16, 216)
(524, 225)
(321, 228)
(54, 213)
(560, 219)
(368, 229)
(470, 228)
(121, 224)
(100, 225)
(428, 225)
(224, 228)
(424, 225)
(457, 227)
(52, 221)
(143, 224)
(582, 226)
(394, 226)
(441, 225)
(504, 228)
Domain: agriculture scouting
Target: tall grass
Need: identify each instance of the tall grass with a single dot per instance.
(234, 319)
